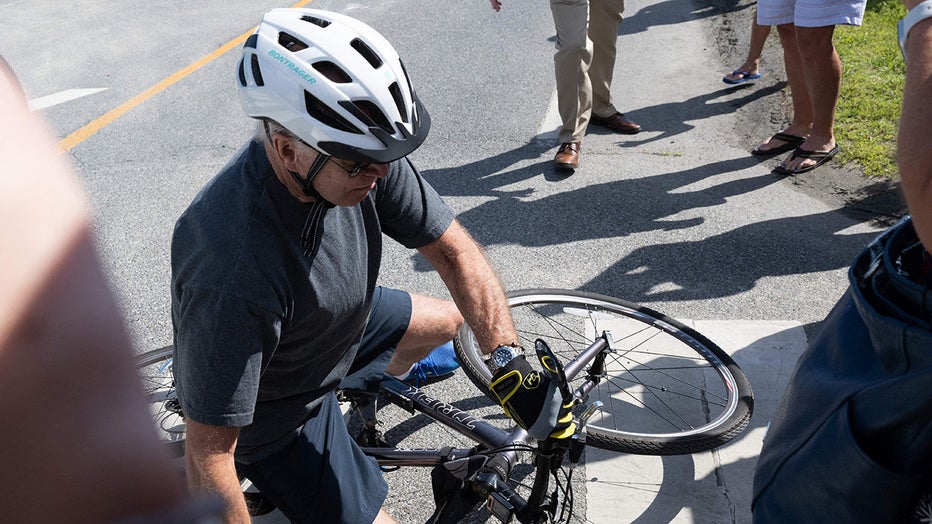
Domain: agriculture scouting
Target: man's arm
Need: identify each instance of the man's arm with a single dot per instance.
(478, 294)
(210, 468)
(914, 154)
(474, 285)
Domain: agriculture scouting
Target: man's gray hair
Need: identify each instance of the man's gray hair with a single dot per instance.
(268, 128)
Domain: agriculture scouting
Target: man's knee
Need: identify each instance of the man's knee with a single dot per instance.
(786, 32)
(456, 317)
(450, 318)
(435, 318)
(815, 39)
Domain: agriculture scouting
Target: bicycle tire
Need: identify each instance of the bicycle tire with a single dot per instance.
(667, 390)
(155, 372)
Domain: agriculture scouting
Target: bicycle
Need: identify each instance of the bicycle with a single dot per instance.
(642, 383)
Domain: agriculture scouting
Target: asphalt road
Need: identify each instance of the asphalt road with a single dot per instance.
(679, 217)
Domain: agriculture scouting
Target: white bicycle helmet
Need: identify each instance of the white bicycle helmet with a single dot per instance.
(334, 82)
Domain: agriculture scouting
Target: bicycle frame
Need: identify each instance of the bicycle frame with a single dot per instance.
(505, 447)
(413, 399)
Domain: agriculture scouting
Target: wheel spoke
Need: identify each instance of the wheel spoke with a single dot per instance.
(665, 387)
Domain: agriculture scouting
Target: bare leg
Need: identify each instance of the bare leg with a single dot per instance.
(822, 72)
(433, 322)
(751, 65)
(759, 35)
(801, 123)
(384, 518)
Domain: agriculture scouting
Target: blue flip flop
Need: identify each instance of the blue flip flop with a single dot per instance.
(745, 76)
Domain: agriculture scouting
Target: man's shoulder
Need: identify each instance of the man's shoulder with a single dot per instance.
(410, 209)
(241, 178)
(219, 229)
(231, 195)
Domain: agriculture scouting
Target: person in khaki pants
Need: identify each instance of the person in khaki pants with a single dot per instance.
(583, 64)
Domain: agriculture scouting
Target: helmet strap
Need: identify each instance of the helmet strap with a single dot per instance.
(307, 182)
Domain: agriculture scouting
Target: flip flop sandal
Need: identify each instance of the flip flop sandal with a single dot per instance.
(792, 142)
(745, 76)
(820, 157)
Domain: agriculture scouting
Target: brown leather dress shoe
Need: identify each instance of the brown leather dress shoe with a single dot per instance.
(617, 122)
(567, 156)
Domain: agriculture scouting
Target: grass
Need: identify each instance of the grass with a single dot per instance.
(871, 90)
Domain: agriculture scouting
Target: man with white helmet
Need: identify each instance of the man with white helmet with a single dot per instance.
(274, 266)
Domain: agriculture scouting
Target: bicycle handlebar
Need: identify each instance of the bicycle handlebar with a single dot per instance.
(550, 452)
(573, 367)
(488, 484)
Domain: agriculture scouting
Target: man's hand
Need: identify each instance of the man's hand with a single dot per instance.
(532, 400)
(496, 5)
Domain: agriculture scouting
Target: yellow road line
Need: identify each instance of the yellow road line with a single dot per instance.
(103, 121)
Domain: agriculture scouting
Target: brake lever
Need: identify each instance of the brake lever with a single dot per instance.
(578, 440)
(586, 415)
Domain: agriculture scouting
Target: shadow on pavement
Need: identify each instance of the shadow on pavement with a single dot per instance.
(675, 12)
(709, 485)
(733, 261)
(606, 210)
(673, 118)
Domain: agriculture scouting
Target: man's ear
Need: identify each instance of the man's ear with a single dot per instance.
(286, 151)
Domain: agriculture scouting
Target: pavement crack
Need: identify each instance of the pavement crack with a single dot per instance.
(721, 482)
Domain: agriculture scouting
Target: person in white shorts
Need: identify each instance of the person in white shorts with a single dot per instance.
(813, 70)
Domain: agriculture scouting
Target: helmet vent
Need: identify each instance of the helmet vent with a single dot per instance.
(399, 101)
(332, 71)
(328, 116)
(368, 113)
(407, 78)
(316, 21)
(256, 72)
(242, 73)
(291, 42)
(366, 53)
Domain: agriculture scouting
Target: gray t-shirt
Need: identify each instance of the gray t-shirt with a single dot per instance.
(270, 296)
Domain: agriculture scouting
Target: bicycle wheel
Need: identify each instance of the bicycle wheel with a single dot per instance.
(667, 390)
(155, 372)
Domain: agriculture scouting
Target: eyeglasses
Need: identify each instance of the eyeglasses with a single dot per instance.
(354, 169)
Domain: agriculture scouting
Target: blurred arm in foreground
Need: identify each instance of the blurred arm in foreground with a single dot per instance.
(914, 155)
(76, 441)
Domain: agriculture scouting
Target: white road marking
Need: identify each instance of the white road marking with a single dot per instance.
(550, 127)
(61, 97)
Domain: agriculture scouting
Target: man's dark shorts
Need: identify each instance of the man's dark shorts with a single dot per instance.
(322, 475)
